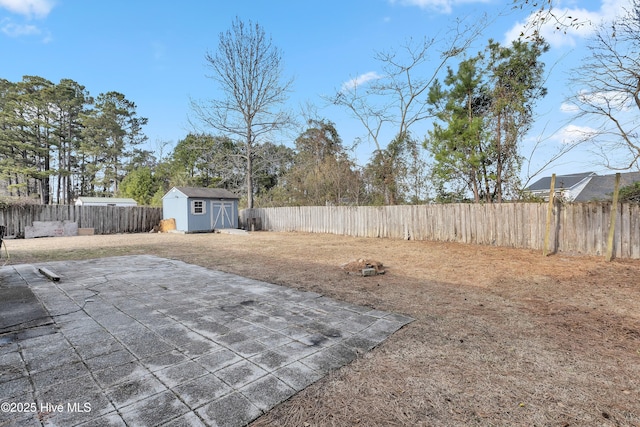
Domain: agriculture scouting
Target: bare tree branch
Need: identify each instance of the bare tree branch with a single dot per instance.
(396, 100)
(608, 89)
(248, 70)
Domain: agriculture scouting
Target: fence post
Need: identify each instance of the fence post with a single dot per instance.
(547, 229)
(612, 219)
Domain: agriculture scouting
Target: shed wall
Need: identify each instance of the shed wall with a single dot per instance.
(199, 222)
(173, 206)
(176, 205)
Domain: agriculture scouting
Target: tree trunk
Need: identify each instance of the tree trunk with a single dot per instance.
(249, 177)
(476, 192)
(499, 160)
(60, 168)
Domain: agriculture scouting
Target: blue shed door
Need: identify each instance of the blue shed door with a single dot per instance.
(221, 214)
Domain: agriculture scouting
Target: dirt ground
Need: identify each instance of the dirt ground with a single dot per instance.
(501, 336)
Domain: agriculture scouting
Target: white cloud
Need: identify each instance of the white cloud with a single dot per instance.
(17, 30)
(615, 100)
(562, 17)
(442, 6)
(567, 107)
(11, 29)
(572, 134)
(28, 8)
(360, 80)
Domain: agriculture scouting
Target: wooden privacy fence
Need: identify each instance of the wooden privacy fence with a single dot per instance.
(575, 228)
(103, 219)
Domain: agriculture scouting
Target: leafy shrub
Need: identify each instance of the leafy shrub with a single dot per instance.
(630, 193)
(8, 201)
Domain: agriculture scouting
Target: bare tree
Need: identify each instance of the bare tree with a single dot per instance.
(608, 89)
(546, 14)
(248, 69)
(395, 100)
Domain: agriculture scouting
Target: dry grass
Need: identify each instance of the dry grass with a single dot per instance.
(501, 336)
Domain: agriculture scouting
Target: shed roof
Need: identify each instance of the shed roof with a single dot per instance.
(206, 193)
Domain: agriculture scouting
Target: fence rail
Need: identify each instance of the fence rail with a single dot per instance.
(103, 219)
(576, 228)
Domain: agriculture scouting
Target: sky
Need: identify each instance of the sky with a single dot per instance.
(153, 52)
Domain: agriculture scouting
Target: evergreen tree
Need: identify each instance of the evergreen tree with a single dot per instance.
(484, 111)
(459, 146)
(515, 78)
(322, 172)
(112, 129)
(139, 185)
(53, 148)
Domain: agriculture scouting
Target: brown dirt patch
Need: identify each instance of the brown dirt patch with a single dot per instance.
(502, 336)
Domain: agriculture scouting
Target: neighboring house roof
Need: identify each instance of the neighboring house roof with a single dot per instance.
(601, 187)
(107, 200)
(583, 187)
(562, 181)
(205, 193)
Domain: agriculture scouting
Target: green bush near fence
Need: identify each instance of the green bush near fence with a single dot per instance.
(8, 201)
(630, 193)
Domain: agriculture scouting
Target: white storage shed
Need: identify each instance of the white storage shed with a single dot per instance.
(105, 201)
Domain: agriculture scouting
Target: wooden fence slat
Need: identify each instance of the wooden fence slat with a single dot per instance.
(576, 227)
(103, 219)
(634, 226)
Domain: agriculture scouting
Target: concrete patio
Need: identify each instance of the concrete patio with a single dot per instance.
(142, 340)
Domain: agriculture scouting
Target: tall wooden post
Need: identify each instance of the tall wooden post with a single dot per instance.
(547, 228)
(612, 219)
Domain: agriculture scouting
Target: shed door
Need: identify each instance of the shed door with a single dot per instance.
(221, 214)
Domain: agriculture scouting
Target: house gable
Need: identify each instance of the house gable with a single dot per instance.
(567, 185)
(582, 187)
